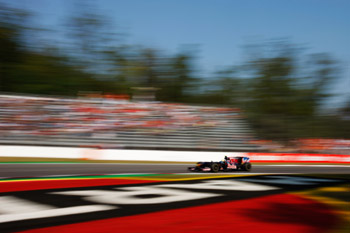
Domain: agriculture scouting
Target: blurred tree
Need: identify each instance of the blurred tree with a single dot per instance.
(120, 69)
(226, 88)
(26, 70)
(11, 42)
(146, 67)
(44, 74)
(281, 95)
(272, 88)
(324, 71)
(179, 81)
(131, 66)
(91, 36)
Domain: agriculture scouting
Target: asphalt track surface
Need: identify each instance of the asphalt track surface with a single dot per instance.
(58, 169)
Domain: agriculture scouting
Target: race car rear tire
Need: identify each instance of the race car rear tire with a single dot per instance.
(215, 167)
(246, 167)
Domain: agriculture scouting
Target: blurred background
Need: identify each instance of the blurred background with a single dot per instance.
(186, 75)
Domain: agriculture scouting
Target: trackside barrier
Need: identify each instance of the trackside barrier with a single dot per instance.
(40, 152)
(112, 154)
(159, 155)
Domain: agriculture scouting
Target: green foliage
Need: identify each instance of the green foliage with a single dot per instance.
(285, 98)
(177, 79)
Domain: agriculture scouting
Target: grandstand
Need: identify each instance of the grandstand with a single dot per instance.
(122, 124)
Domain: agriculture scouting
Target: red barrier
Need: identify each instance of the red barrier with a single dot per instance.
(298, 158)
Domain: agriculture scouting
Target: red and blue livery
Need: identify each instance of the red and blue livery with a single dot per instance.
(228, 164)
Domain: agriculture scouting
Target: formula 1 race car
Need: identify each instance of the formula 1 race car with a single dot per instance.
(228, 164)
